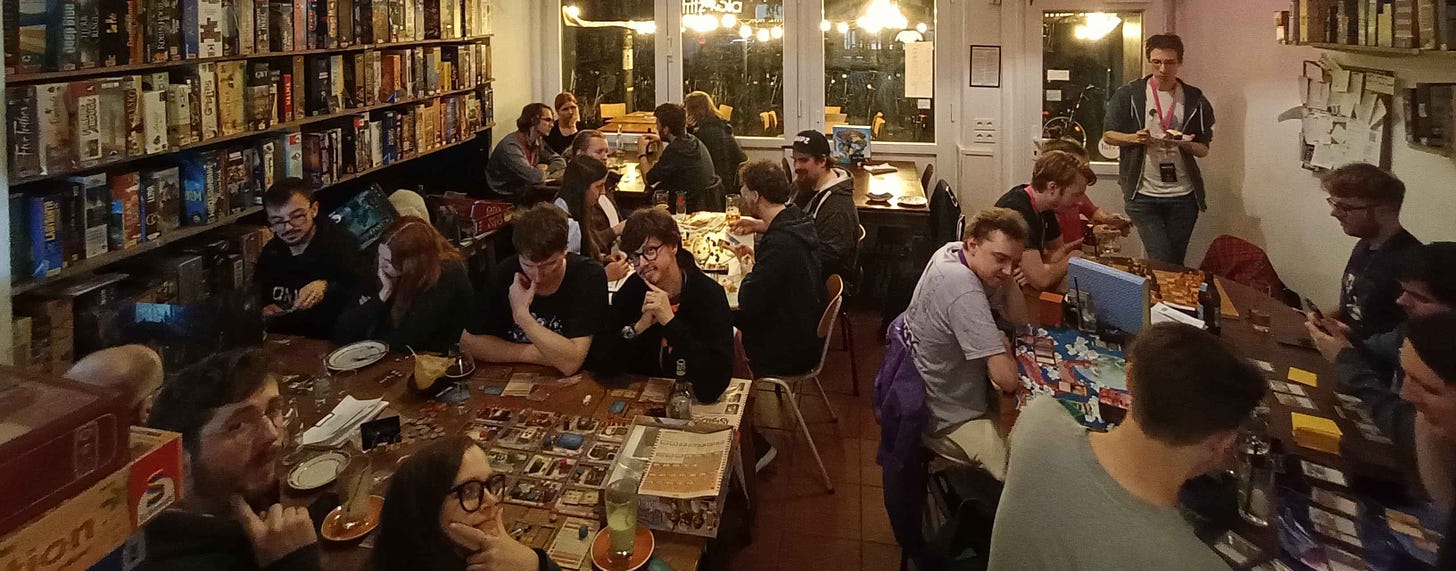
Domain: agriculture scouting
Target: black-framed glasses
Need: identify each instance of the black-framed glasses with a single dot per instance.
(296, 219)
(471, 493)
(1347, 208)
(648, 253)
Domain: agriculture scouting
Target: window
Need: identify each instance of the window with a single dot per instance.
(1086, 56)
(734, 51)
(866, 47)
(608, 57)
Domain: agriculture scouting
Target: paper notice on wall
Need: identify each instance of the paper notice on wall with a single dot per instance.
(1379, 83)
(1059, 75)
(1319, 95)
(1317, 128)
(1338, 135)
(1358, 140)
(920, 70)
(1374, 145)
(1324, 156)
(1340, 80)
(1367, 106)
(1379, 114)
(1053, 95)
(1304, 83)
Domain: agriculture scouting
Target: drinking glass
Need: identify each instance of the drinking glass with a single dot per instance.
(293, 428)
(1260, 319)
(621, 499)
(730, 208)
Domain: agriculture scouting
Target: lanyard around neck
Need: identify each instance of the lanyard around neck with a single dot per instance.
(1166, 119)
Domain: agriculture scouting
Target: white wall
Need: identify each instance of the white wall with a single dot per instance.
(1257, 189)
(516, 70)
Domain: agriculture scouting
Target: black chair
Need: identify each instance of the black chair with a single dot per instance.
(927, 177)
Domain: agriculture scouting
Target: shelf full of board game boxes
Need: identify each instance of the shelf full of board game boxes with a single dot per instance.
(130, 231)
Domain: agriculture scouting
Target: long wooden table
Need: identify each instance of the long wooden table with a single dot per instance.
(388, 379)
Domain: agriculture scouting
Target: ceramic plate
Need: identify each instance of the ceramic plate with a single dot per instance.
(335, 529)
(317, 472)
(356, 355)
(913, 201)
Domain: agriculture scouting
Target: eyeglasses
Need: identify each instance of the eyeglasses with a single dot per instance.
(296, 220)
(245, 427)
(1347, 208)
(471, 493)
(1163, 62)
(648, 253)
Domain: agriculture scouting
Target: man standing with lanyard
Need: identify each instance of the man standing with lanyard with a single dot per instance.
(1162, 126)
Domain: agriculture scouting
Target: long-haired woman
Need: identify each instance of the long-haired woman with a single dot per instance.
(582, 187)
(423, 297)
(716, 134)
(568, 114)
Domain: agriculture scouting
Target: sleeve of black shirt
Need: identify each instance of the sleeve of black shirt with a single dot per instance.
(349, 269)
(493, 309)
(613, 354)
(544, 563)
(302, 559)
(1118, 119)
(589, 291)
(838, 232)
(706, 337)
(362, 319)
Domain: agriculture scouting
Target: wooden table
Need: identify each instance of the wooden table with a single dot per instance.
(902, 184)
(298, 356)
(638, 122)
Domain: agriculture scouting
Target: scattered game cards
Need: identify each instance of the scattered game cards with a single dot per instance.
(1262, 365)
(590, 475)
(506, 461)
(1287, 388)
(534, 493)
(1323, 473)
(580, 502)
(1335, 526)
(1401, 522)
(602, 452)
(497, 415)
(1294, 401)
(573, 543)
(1341, 560)
(584, 425)
(539, 418)
(1236, 549)
(528, 438)
(614, 431)
(656, 391)
(1335, 501)
(482, 433)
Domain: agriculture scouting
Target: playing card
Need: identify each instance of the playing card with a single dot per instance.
(1262, 365)
(1335, 501)
(1323, 473)
(1236, 549)
(1341, 560)
(1401, 522)
(535, 493)
(1287, 388)
(573, 543)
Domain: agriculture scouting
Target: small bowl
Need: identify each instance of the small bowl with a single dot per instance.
(334, 529)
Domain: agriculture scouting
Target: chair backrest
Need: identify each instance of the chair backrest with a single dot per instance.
(834, 287)
(1238, 260)
(788, 170)
(725, 112)
(876, 123)
(611, 110)
(926, 177)
(831, 109)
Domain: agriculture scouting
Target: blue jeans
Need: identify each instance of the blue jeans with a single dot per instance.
(1165, 224)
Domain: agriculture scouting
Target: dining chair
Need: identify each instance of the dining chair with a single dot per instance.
(927, 177)
(613, 110)
(846, 328)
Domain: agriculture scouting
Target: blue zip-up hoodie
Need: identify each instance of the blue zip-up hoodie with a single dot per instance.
(1125, 114)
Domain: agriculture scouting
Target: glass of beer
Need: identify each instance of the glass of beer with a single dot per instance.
(730, 208)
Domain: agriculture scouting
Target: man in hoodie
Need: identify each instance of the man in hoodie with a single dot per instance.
(831, 205)
(230, 415)
(668, 315)
(684, 164)
(523, 158)
(781, 300)
(1162, 126)
(310, 270)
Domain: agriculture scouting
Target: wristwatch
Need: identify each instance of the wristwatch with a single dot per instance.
(629, 332)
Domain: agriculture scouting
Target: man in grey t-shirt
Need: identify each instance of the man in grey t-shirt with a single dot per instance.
(954, 340)
(1190, 393)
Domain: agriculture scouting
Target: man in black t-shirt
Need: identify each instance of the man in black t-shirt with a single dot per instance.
(544, 304)
(307, 273)
(1058, 179)
(1366, 200)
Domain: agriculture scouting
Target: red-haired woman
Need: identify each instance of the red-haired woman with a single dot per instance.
(424, 295)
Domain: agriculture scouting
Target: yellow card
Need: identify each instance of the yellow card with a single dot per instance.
(1304, 377)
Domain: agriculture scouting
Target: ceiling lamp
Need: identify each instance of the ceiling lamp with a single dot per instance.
(763, 34)
(745, 31)
(880, 15)
(729, 21)
(842, 27)
(824, 25)
(777, 32)
(1097, 25)
(920, 27)
(700, 23)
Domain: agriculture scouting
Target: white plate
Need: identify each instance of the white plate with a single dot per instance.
(913, 201)
(317, 472)
(356, 355)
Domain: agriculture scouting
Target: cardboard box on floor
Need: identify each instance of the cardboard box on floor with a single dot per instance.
(89, 526)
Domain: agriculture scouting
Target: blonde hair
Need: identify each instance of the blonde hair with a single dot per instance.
(1003, 220)
(699, 106)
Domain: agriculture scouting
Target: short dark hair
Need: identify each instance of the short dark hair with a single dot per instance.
(1434, 265)
(1366, 182)
(1430, 336)
(540, 232)
(672, 117)
(529, 115)
(1188, 384)
(649, 223)
(284, 190)
(1003, 220)
(187, 402)
(1059, 167)
(767, 179)
(1164, 42)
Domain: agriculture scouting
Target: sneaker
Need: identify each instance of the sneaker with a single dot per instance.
(764, 450)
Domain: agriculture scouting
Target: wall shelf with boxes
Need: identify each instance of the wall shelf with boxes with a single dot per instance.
(141, 130)
(1386, 28)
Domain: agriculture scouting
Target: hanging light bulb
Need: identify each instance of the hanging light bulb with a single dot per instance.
(572, 12)
(777, 32)
(842, 27)
(1096, 26)
(824, 25)
(745, 31)
(920, 27)
(700, 23)
(880, 15)
(763, 34)
(729, 20)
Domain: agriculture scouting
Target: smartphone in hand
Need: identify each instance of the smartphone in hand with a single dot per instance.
(1313, 312)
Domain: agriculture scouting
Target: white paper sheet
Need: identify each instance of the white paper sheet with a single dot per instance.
(1324, 156)
(1379, 114)
(333, 429)
(1340, 80)
(1319, 95)
(1059, 75)
(920, 70)
(1317, 128)
(1379, 83)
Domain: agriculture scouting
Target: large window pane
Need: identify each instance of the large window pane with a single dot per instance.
(734, 51)
(865, 49)
(1087, 56)
(608, 57)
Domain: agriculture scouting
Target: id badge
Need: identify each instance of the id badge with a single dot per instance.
(1168, 172)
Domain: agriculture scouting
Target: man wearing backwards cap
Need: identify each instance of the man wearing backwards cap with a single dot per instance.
(1058, 179)
(831, 205)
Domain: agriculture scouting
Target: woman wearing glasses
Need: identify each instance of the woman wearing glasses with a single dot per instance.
(424, 293)
(668, 314)
(443, 512)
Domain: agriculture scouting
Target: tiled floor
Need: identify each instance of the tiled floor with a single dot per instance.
(799, 526)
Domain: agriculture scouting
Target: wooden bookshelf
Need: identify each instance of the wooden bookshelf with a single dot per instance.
(280, 127)
(49, 76)
(1373, 50)
(90, 265)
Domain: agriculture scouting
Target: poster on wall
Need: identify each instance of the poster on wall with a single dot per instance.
(985, 66)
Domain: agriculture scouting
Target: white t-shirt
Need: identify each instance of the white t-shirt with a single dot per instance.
(573, 228)
(1152, 180)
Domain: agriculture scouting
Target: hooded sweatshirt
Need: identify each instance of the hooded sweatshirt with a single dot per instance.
(333, 256)
(687, 166)
(184, 541)
(781, 300)
(837, 222)
(700, 334)
(717, 135)
(1125, 114)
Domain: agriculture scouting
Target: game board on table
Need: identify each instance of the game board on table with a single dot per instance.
(1089, 378)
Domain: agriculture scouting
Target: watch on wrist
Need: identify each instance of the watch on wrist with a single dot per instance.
(629, 332)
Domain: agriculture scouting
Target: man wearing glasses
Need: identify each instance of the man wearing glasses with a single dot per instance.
(668, 312)
(307, 272)
(1162, 125)
(544, 304)
(1366, 201)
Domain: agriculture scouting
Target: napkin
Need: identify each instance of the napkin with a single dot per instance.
(335, 428)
